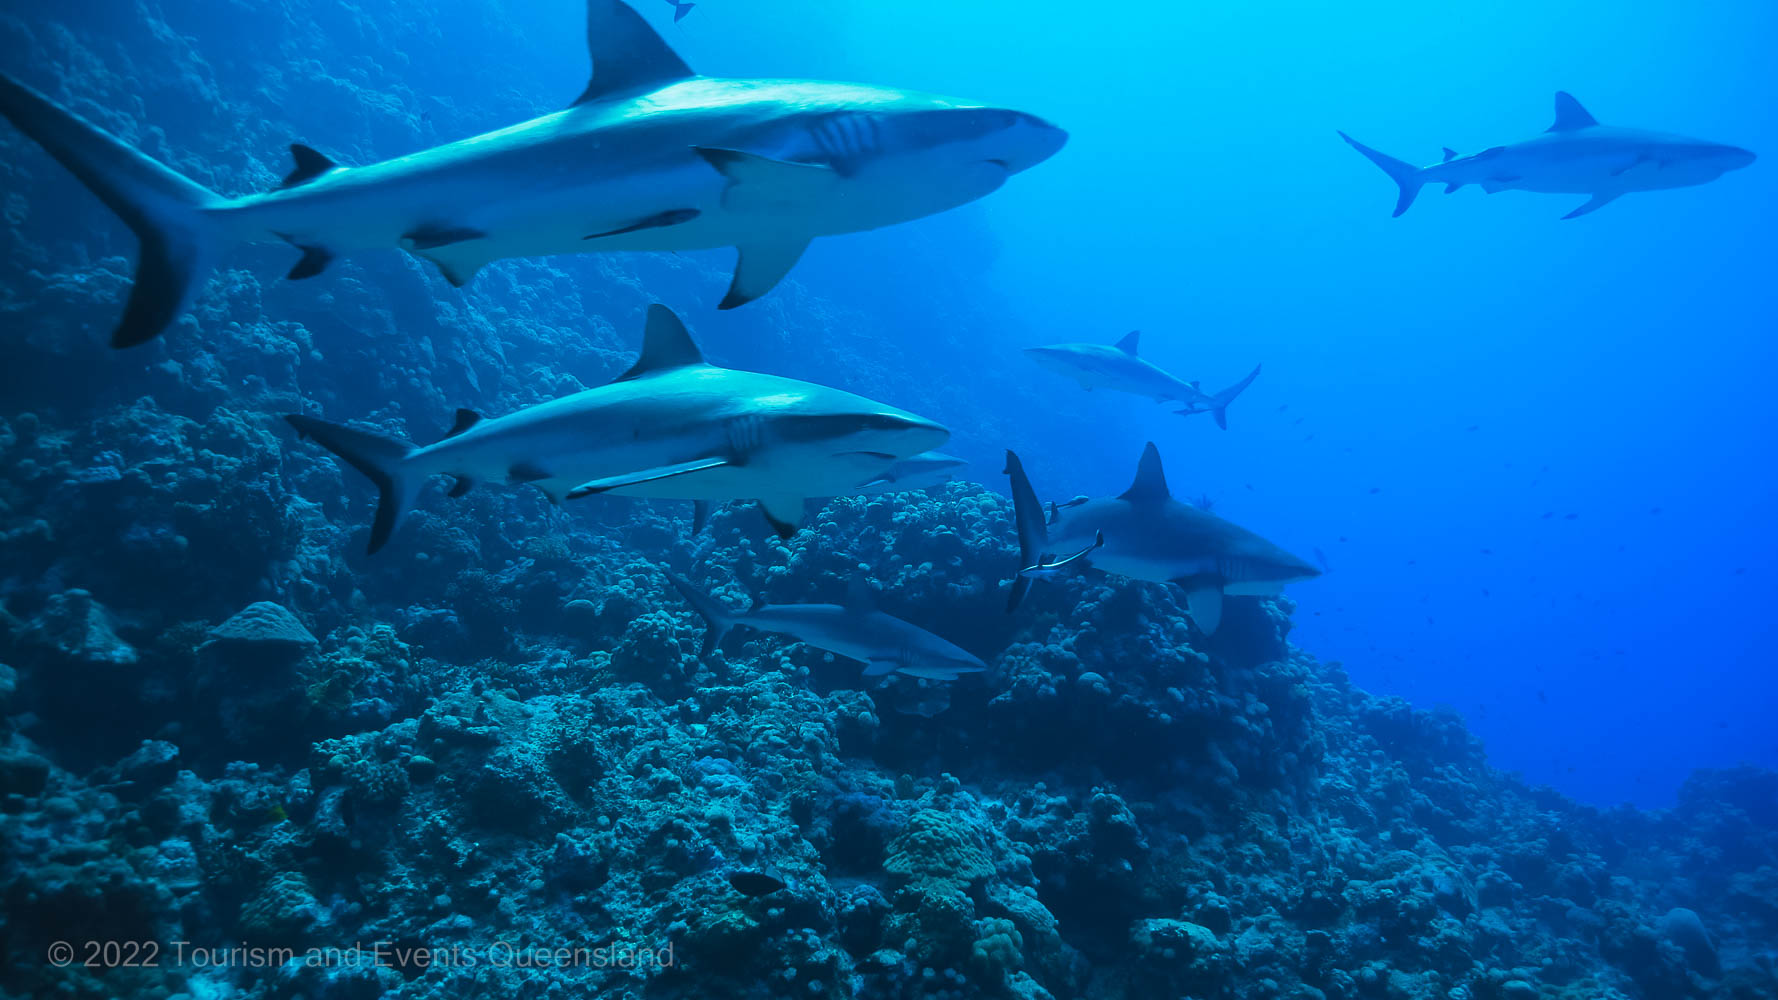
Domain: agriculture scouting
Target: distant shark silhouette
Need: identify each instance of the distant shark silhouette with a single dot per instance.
(1145, 534)
(856, 630)
(650, 157)
(1576, 155)
(1117, 367)
(673, 427)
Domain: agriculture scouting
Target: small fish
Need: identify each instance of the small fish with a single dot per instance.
(754, 883)
(1051, 570)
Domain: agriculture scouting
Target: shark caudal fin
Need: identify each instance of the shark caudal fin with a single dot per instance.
(1404, 174)
(1219, 403)
(718, 618)
(381, 460)
(680, 10)
(166, 211)
(1033, 534)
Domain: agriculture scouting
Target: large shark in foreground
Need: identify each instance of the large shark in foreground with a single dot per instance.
(856, 630)
(674, 427)
(1119, 368)
(1145, 534)
(650, 157)
(1576, 155)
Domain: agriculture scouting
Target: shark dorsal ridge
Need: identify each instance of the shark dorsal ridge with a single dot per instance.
(1150, 485)
(309, 164)
(626, 52)
(666, 344)
(1570, 115)
(1128, 344)
(464, 420)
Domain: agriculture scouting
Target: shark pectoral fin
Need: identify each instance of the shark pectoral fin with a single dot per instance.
(700, 515)
(314, 261)
(783, 513)
(453, 249)
(643, 476)
(1594, 204)
(763, 184)
(527, 472)
(879, 667)
(1452, 187)
(463, 485)
(1203, 602)
(659, 220)
(758, 267)
(432, 237)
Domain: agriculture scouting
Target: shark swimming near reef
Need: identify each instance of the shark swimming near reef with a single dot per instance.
(1145, 534)
(651, 156)
(918, 472)
(1576, 155)
(1118, 367)
(856, 630)
(672, 427)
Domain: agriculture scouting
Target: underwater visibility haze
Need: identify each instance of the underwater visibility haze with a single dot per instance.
(887, 500)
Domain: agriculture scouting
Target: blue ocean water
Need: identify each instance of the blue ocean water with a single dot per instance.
(1533, 454)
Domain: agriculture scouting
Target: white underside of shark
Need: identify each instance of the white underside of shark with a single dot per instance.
(651, 157)
(673, 427)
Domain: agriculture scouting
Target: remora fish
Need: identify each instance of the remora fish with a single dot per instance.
(674, 427)
(651, 156)
(1145, 534)
(1117, 367)
(1576, 155)
(855, 630)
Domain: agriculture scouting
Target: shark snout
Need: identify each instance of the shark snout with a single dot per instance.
(1735, 157)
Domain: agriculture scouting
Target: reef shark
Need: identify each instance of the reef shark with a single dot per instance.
(856, 630)
(1576, 155)
(1119, 368)
(1145, 534)
(651, 156)
(916, 473)
(674, 427)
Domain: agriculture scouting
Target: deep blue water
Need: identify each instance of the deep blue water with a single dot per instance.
(1476, 363)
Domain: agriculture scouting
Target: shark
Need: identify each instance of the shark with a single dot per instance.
(856, 630)
(1120, 368)
(673, 426)
(1576, 155)
(651, 156)
(1145, 534)
(919, 472)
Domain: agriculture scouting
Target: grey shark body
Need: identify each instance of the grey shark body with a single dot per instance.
(1146, 534)
(1576, 155)
(651, 157)
(673, 427)
(918, 472)
(856, 630)
(1120, 368)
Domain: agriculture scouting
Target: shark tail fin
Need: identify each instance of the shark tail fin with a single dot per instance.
(1404, 174)
(718, 619)
(381, 459)
(1219, 404)
(167, 211)
(1033, 533)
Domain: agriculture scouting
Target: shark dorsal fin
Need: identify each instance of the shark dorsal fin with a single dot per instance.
(858, 595)
(666, 344)
(1570, 115)
(1450, 154)
(1128, 344)
(1151, 483)
(310, 164)
(626, 52)
(464, 421)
